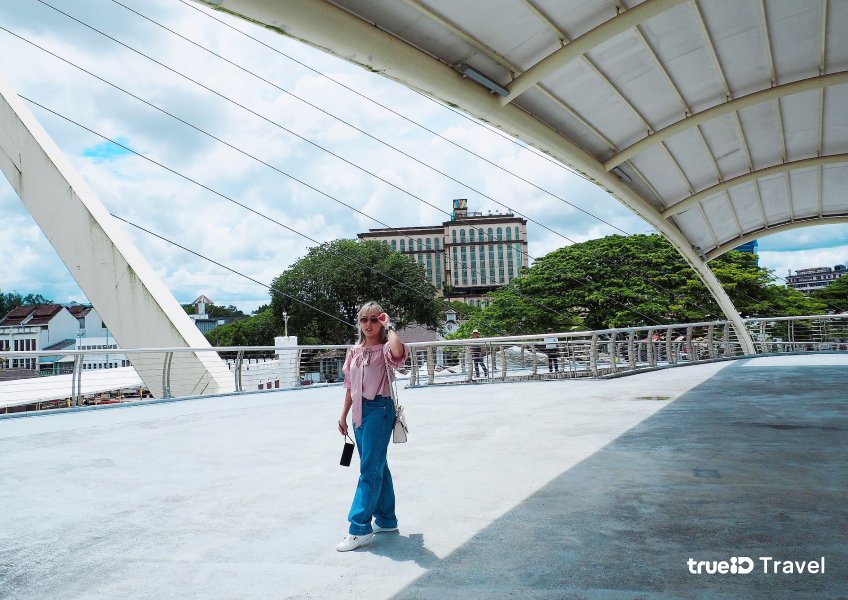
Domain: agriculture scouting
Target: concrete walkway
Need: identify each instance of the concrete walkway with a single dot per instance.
(567, 489)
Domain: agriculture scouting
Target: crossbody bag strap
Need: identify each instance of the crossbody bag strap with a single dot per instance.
(392, 389)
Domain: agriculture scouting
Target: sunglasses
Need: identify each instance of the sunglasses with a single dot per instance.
(373, 320)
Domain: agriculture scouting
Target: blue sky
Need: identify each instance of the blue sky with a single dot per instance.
(171, 206)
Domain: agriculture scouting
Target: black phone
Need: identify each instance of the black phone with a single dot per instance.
(347, 453)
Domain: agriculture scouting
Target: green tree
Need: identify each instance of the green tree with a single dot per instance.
(834, 296)
(258, 330)
(337, 277)
(620, 281)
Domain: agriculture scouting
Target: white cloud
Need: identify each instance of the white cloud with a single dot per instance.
(207, 223)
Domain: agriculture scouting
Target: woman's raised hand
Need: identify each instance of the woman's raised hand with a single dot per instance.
(384, 319)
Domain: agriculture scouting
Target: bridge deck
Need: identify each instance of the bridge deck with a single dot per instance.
(587, 489)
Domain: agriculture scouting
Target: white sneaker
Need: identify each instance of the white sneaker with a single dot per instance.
(352, 542)
(378, 529)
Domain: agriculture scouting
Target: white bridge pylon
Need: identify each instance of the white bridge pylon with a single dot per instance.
(133, 301)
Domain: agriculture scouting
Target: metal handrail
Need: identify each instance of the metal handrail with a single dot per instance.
(598, 353)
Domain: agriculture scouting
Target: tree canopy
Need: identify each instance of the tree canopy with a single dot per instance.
(834, 296)
(258, 330)
(337, 277)
(619, 281)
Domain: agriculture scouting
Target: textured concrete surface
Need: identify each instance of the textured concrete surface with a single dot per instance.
(567, 489)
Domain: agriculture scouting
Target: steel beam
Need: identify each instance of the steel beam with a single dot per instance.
(760, 233)
(586, 42)
(753, 176)
(778, 91)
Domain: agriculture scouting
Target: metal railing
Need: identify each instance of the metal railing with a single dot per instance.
(609, 352)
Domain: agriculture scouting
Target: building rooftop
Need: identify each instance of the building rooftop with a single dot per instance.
(578, 489)
(33, 315)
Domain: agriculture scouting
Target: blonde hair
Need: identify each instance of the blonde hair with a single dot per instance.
(366, 308)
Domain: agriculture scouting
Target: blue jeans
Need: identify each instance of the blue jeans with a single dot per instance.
(375, 494)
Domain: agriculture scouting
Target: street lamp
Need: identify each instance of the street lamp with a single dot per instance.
(286, 320)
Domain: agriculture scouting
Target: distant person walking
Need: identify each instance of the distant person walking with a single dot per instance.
(373, 416)
(552, 350)
(478, 356)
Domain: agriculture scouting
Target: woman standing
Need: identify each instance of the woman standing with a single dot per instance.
(373, 416)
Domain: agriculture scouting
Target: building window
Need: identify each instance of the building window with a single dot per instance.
(464, 257)
(453, 236)
(473, 263)
(491, 260)
(403, 245)
(500, 262)
(517, 234)
(429, 261)
(508, 233)
(500, 234)
(471, 236)
(481, 251)
(455, 269)
(394, 245)
(509, 261)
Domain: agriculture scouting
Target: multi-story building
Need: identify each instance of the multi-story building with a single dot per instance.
(34, 328)
(466, 257)
(53, 327)
(750, 248)
(808, 280)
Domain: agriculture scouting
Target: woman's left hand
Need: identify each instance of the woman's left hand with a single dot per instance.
(384, 319)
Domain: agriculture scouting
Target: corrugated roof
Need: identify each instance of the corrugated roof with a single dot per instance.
(16, 315)
(35, 315)
(79, 310)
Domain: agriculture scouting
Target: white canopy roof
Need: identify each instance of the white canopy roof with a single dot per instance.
(715, 121)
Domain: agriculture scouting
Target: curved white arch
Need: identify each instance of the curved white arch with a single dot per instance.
(329, 28)
(749, 177)
(760, 233)
(778, 91)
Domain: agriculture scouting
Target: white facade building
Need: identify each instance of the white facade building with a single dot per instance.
(815, 278)
(55, 327)
(466, 257)
(35, 328)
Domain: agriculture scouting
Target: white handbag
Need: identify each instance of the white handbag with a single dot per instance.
(400, 431)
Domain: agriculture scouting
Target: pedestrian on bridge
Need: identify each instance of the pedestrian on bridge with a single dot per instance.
(368, 398)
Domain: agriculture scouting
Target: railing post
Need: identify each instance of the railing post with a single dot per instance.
(613, 352)
(431, 365)
(469, 364)
(76, 378)
(671, 355)
(503, 363)
(237, 370)
(711, 340)
(649, 348)
(726, 339)
(631, 349)
(593, 356)
(413, 367)
(533, 355)
(763, 342)
(166, 375)
(791, 330)
(691, 351)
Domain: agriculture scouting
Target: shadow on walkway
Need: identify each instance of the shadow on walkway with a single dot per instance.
(750, 463)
